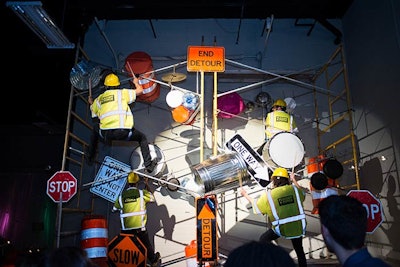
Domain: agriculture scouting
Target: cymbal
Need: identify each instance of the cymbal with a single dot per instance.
(173, 77)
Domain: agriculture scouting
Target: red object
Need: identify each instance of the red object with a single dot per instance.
(141, 64)
(62, 186)
(231, 103)
(373, 206)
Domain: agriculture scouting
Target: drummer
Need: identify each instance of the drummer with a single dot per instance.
(278, 120)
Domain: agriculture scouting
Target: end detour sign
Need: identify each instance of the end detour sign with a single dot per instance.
(206, 58)
(206, 229)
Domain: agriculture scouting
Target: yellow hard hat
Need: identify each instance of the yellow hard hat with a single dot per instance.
(281, 172)
(280, 103)
(133, 178)
(111, 80)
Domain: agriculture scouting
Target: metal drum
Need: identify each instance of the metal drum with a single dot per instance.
(283, 150)
(222, 173)
(137, 161)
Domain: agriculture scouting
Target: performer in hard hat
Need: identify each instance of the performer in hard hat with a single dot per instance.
(116, 119)
(278, 120)
(132, 204)
(284, 207)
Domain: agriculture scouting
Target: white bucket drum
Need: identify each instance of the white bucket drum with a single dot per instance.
(174, 98)
(283, 150)
(137, 161)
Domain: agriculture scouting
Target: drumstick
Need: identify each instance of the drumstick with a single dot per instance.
(90, 88)
(133, 74)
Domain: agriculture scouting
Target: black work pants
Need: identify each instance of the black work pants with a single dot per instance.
(297, 244)
(107, 136)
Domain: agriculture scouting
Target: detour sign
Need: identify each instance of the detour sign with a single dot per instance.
(126, 250)
(206, 229)
(206, 58)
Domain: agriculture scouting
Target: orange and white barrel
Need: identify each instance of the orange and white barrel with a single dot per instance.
(323, 173)
(94, 238)
(140, 64)
(315, 164)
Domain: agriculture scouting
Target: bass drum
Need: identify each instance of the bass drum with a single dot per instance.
(283, 150)
(137, 161)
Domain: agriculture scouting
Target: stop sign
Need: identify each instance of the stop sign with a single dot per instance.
(373, 207)
(62, 186)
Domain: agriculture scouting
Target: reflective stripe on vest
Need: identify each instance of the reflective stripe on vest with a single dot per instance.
(277, 222)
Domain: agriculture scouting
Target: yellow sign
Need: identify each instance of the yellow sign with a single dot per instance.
(127, 250)
(206, 58)
(207, 243)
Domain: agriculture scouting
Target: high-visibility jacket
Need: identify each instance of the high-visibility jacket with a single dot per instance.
(279, 121)
(113, 110)
(284, 207)
(132, 206)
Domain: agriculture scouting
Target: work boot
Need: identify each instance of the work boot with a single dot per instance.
(156, 259)
(152, 165)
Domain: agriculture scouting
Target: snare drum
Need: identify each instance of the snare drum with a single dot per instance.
(283, 150)
(137, 161)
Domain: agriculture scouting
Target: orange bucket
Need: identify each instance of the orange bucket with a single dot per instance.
(141, 64)
(315, 164)
(183, 115)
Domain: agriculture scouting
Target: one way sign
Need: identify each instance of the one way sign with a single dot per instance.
(256, 166)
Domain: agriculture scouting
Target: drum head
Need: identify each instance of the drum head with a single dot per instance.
(333, 168)
(174, 98)
(284, 150)
(137, 161)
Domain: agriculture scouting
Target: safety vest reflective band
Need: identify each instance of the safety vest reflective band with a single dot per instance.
(287, 227)
(130, 217)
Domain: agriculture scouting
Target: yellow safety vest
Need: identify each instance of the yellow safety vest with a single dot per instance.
(279, 121)
(132, 206)
(113, 110)
(284, 208)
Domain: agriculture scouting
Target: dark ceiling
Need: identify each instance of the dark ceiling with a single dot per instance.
(42, 74)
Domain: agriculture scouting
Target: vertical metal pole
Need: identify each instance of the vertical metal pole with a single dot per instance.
(215, 118)
(59, 209)
(202, 116)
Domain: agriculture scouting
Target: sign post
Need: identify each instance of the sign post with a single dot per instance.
(373, 207)
(62, 186)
